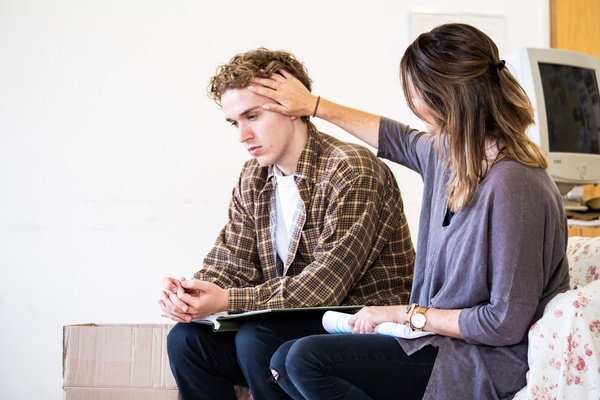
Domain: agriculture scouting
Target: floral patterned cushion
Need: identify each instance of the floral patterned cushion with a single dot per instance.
(564, 345)
(584, 260)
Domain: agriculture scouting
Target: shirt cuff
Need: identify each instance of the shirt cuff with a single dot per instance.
(240, 300)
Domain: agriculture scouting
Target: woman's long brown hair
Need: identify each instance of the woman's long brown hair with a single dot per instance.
(456, 70)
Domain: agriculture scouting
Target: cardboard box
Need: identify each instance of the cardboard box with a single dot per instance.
(120, 394)
(117, 361)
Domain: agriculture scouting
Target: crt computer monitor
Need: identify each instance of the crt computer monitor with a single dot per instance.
(563, 88)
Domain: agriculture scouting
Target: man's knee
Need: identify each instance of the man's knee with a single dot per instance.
(192, 340)
(197, 345)
(178, 339)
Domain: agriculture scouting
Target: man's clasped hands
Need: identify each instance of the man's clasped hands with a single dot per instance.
(184, 300)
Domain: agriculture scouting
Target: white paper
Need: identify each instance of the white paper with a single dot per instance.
(337, 322)
(213, 318)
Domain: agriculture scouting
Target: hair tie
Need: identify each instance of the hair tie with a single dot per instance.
(500, 65)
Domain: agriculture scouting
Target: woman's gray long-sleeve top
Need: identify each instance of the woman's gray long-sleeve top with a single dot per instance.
(501, 259)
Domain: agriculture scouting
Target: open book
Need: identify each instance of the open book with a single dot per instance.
(224, 322)
(337, 322)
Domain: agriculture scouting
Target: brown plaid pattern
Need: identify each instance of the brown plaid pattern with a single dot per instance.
(354, 246)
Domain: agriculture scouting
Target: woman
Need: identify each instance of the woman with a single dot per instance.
(492, 234)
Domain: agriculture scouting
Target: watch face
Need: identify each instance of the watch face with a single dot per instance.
(418, 321)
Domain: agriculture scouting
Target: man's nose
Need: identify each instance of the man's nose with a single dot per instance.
(244, 132)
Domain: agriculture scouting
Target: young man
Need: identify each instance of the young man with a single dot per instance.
(313, 221)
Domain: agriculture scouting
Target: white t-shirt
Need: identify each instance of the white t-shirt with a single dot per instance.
(286, 200)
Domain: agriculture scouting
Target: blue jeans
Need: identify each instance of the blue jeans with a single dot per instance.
(353, 367)
(206, 364)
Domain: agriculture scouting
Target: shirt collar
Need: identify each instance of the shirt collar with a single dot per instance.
(308, 158)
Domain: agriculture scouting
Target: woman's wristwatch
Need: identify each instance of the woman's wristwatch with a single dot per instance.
(415, 316)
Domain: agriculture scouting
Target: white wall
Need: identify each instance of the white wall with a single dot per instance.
(116, 169)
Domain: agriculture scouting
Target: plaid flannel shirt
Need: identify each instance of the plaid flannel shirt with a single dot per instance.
(352, 244)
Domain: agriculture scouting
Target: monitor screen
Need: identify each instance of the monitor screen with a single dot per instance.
(572, 108)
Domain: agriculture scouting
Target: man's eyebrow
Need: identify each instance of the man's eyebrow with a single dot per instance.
(245, 112)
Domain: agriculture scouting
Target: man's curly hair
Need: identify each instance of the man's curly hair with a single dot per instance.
(259, 63)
